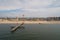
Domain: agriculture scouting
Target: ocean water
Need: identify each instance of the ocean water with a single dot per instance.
(30, 32)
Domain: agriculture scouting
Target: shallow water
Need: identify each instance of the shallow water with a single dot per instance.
(30, 32)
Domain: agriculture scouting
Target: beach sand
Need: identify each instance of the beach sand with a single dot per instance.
(31, 22)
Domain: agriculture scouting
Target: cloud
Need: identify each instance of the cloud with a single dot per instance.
(9, 4)
(31, 8)
(55, 3)
(24, 4)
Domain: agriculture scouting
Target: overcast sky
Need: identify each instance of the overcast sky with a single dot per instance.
(30, 8)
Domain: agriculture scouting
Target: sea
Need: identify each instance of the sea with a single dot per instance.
(30, 32)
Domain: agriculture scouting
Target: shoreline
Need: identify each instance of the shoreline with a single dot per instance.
(30, 22)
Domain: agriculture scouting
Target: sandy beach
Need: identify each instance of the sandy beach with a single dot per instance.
(30, 22)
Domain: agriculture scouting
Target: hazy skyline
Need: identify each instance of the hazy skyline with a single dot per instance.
(30, 8)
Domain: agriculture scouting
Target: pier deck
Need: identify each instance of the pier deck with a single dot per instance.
(15, 28)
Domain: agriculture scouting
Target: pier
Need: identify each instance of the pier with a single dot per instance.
(15, 28)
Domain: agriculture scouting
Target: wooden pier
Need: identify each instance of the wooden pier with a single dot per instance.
(15, 28)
